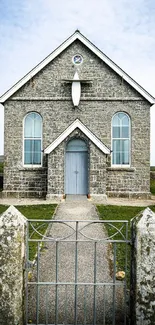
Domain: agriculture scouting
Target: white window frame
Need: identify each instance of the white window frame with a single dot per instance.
(121, 165)
(32, 165)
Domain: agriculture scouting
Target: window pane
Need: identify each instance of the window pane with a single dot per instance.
(116, 158)
(125, 145)
(120, 115)
(116, 152)
(27, 158)
(28, 148)
(28, 130)
(116, 145)
(32, 152)
(36, 158)
(116, 132)
(125, 152)
(125, 158)
(32, 146)
(125, 120)
(125, 132)
(37, 145)
(121, 141)
(28, 145)
(116, 120)
(37, 126)
(33, 126)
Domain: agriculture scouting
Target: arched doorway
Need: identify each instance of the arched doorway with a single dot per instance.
(76, 167)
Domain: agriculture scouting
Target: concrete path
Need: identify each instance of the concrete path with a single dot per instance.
(109, 201)
(66, 256)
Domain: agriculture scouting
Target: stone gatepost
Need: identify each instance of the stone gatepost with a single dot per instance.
(143, 269)
(12, 263)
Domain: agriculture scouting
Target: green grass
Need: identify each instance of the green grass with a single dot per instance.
(37, 212)
(152, 186)
(111, 212)
(42, 211)
(1, 167)
(3, 208)
(152, 180)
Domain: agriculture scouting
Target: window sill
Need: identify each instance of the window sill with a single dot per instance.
(29, 168)
(121, 169)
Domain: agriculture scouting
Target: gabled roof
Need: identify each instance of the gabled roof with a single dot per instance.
(77, 124)
(77, 36)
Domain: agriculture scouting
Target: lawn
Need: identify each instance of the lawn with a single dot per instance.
(152, 186)
(1, 167)
(42, 211)
(152, 180)
(111, 212)
(107, 212)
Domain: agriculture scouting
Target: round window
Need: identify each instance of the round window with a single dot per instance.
(77, 59)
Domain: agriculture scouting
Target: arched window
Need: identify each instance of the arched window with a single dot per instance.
(32, 139)
(121, 139)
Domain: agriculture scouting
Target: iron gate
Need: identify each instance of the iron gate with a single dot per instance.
(76, 277)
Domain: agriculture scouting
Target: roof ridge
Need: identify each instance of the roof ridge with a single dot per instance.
(77, 35)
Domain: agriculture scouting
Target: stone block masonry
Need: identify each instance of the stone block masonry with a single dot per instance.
(104, 95)
(143, 269)
(12, 259)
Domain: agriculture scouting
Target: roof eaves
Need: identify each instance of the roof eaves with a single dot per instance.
(93, 48)
(37, 68)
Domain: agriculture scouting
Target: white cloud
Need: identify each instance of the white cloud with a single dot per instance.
(124, 30)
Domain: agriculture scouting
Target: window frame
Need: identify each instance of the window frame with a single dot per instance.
(129, 138)
(40, 138)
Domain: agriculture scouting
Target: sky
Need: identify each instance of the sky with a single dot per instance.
(124, 30)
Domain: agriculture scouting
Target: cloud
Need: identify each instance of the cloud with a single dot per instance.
(123, 30)
(30, 30)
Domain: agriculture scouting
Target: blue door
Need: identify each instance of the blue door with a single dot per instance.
(76, 167)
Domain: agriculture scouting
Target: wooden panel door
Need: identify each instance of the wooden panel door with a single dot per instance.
(77, 172)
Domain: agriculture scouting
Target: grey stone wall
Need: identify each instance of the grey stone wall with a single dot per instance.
(143, 271)
(97, 178)
(49, 82)
(27, 182)
(96, 169)
(12, 263)
(55, 179)
(101, 98)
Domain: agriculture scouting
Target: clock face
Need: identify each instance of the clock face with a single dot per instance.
(77, 59)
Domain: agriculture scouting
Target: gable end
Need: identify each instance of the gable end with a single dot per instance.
(94, 49)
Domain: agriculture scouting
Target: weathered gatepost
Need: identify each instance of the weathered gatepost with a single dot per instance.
(143, 269)
(12, 259)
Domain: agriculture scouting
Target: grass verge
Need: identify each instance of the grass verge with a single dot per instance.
(41, 211)
(111, 212)
(1, 167)
(152, 186)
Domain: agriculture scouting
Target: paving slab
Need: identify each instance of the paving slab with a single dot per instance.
(109, 201)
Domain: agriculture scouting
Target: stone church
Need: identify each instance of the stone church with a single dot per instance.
(77, 124)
